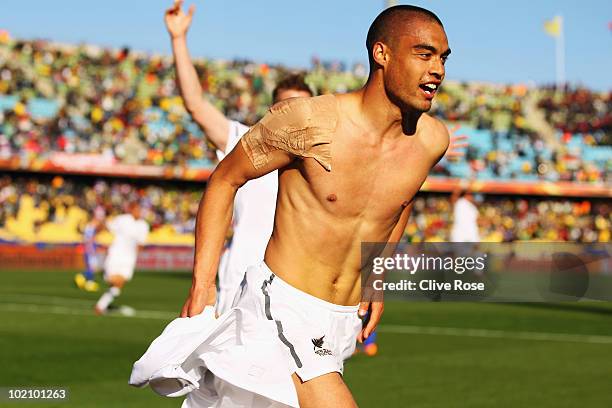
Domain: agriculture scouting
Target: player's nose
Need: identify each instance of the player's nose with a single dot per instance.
(437, 69)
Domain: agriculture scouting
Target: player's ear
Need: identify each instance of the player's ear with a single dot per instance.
(380, 53)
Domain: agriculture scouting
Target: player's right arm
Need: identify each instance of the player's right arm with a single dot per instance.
(214, 217)
(206, 115)
(293, 128)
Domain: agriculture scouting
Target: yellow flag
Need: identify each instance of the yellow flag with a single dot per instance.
(554, 26)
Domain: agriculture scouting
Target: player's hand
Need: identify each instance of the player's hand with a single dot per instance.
(177, 22)
(198, 299)
(375, 310)
(457, 142)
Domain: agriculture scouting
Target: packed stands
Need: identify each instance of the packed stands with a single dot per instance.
(579, 111)
(55, 208)
(125, 105)
(505, 219)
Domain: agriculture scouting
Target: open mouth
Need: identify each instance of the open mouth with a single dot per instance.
(429, 89)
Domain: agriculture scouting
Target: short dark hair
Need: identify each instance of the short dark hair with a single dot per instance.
(383, 26)
(293, 82)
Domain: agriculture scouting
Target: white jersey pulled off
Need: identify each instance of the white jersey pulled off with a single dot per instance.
(465, 225)
(128, 234)
(253, 219)
(245, 358)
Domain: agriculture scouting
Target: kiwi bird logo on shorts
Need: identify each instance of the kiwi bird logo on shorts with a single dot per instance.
(318, 343)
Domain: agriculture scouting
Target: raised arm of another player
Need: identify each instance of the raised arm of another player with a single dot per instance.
(212, 121)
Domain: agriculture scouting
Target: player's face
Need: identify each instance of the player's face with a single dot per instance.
(416, 66)
(135, 211)
(290, 93)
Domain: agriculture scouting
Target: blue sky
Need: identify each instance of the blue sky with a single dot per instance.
(496, 41)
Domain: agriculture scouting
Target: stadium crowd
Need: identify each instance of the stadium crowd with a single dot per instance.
(506, 219)
(579, 110)
(54, 206)
(69, 203)
(124, 104)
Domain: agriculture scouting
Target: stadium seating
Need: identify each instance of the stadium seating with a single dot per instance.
(50, 212)
(116, 102)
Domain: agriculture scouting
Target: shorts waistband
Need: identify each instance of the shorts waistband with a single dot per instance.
(295, 292)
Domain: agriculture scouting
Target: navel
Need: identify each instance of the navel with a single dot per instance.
(332, 197)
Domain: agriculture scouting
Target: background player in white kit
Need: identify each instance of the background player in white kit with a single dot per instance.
(129, 231)
(465, 216)
(465, 222)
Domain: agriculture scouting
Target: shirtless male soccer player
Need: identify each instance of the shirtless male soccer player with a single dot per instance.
(349, 167)
(254, 205)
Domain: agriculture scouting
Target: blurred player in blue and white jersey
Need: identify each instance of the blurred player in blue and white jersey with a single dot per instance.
(86, 279)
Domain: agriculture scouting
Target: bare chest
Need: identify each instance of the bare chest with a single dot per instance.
(368, 179)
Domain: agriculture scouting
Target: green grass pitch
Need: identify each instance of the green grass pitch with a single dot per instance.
(430, 354)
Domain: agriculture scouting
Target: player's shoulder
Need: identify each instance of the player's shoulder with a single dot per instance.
(436, 134)
(303, 127)
(317, 111)
(434, 127)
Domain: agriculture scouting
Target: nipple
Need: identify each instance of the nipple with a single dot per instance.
(332, 197)
(405, 204)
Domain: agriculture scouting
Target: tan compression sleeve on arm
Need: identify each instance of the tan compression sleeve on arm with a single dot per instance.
(303, 127)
